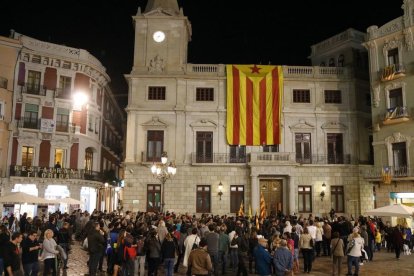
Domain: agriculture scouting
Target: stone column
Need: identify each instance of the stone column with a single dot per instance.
(255, 195)
(74, 190)
(41, 189)
(292, 196)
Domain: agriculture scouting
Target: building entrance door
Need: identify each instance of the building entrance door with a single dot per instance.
(272, 190)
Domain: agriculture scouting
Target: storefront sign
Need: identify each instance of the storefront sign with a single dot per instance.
(45, 172)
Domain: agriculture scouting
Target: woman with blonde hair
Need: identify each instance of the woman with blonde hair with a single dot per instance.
(306, 246)
(49, 253)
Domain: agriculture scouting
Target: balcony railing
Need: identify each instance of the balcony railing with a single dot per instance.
(275, 157)
(51, 172)
(325, 159)
(217, 158)
(28, 122)
(33, 88)
(393, 72)
(64, 127)
(396, 172)
(395, 115)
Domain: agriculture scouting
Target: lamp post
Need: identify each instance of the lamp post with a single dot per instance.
(163, 172)
(322, 194)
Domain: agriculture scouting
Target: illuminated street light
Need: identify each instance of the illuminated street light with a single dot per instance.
(163, 172)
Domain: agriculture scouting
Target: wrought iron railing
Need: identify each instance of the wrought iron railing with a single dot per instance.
(217, 158)
(396, 172)
(326, 159)
(63, 93)
(28, 122)
(392, 72)
(33, 88)
(396, 113)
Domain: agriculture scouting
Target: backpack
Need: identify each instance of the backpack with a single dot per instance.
(130, 253)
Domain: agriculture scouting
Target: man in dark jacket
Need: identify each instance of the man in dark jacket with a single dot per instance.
(96, 245)
(212, 238)
(30, 253)
(63, 239)
(12, 256)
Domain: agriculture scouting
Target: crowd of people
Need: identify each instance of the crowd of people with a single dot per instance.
(136, 243)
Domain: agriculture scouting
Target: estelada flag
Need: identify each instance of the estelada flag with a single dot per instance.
(254, 99)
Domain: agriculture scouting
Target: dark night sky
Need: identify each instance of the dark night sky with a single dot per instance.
(224, 31)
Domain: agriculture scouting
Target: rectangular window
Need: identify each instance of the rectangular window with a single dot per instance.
(27, 156)
(31, 116)
(305, 199)
(271, 148)
(236, 197)
(303, 148)
(337, 199)
(204, 147)
(65, 86)
(33, 82)
(399, 156)
(60, 158)
(301, 95)
(90, 122)
(333, 96)
(155, 145)
(204, 94)
(393, 56)
(62, 120)
(156, 93)
(153, 198)
(203, 199)
(335, 148)
(237, 154)
(396, 99)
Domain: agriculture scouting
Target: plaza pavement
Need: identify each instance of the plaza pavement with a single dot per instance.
(383, 264)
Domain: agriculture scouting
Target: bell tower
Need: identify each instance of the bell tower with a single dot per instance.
(162, 33)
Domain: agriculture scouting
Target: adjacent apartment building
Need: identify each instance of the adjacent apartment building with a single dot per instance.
(65, 128)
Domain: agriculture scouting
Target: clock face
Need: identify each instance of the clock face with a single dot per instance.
(158, 36)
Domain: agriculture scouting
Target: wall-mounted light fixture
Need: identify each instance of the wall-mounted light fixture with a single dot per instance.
(220, 188)
(322, 194)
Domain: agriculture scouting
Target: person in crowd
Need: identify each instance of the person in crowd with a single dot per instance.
(327, 234)
(354, 248)
(240, 240)
(378, 239)
(96, 246)
(263, 259)
(162, 230)
(199, 262)
(141, 255)
(154, 255)
(295, 238)
(169, 251)
(30, 254)
(305, 245)
(212, 238)
(397, 240)
(12, 262)
(253, 242)
(49, 253)
(337, 249)
(22, 223)
(283, 259)
(190, 242)
(234, 258)
(4, 240)
(224, 244)
(63, 239)
(318, 239)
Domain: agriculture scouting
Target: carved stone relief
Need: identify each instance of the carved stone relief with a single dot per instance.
(409, 41)
(375, 95)
(156, 65)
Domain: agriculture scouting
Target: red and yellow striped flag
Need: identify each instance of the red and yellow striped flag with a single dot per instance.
(254, 99)
(263, 212)
(241, 210)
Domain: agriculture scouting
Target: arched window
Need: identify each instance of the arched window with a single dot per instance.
(331, 62)
(341, 60)
(88, 160)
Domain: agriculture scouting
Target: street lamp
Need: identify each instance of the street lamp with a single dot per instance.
(163, 172)
(322, 194)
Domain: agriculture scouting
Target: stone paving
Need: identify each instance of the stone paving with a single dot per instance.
(383, 264)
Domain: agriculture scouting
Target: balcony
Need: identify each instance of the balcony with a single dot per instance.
(33, 89)
(56, 173)
(393, 72)
(401, 173)
(65, 127)
(325, 159)
(272, 157)
(396, 115)
(28, 122)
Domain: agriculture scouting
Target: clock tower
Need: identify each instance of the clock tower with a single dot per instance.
(162, 33)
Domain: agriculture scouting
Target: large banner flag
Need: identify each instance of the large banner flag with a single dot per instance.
(254, 98)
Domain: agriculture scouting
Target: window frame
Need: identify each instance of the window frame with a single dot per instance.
(237, 154)
(337, 156)
(157, 93)
(301, 139)
(153, 138)
(236, 197)
(154, 189)
(302, 194)
(205, 194)
(204, 140)
(333, 96)
(336, 192)
(301, 96)
(204, 94)
(27, 156)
